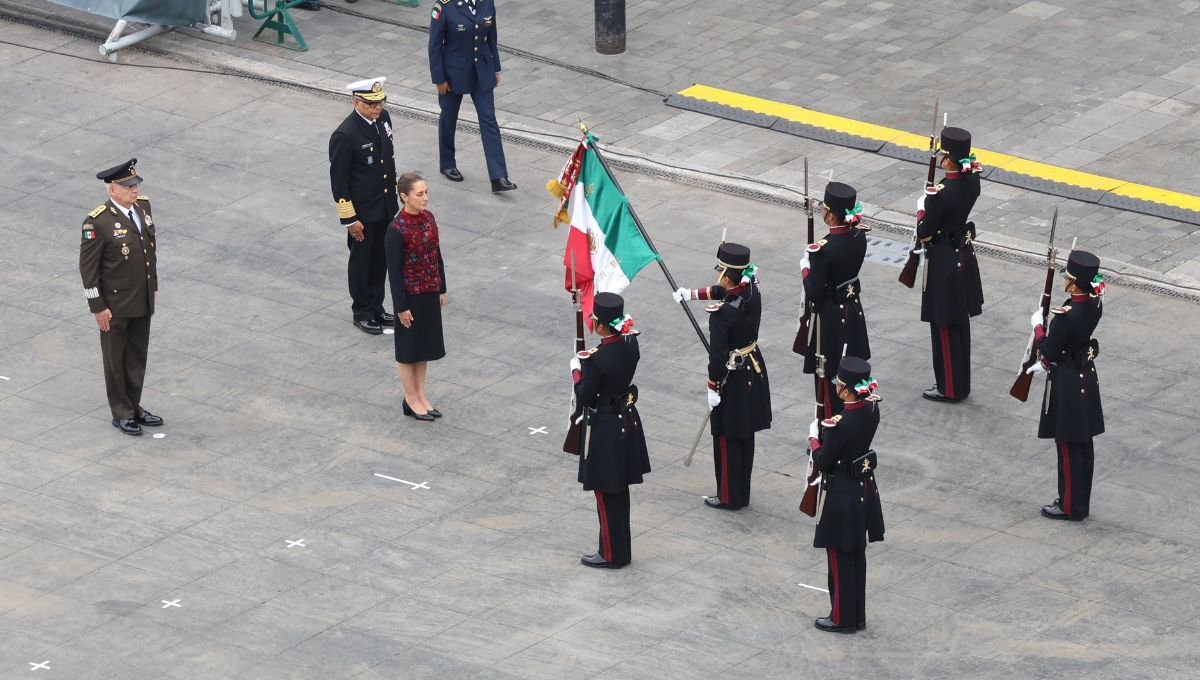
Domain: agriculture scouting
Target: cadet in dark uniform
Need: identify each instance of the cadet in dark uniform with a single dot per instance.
(614, 446)
(738, 392)
(951, 289)
(120, 281)
(464, 58)
(362, 172)
(849, 513)
(1071, 411)
(831, 283)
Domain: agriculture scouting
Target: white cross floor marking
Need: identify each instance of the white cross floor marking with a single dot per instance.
(45, 665)
(172, 603)
(804, 585)
(5, 377)
(414, 485)
(296, 544)
(538, 430)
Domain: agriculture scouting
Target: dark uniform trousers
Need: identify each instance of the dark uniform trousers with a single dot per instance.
(616, 543)
(734, 465)
(952, 358)
(847, 586)
(367, 270)
(489, 131)
(1075, 463)
(124, 348)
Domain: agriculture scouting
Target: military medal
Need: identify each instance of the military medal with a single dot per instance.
(125, 250)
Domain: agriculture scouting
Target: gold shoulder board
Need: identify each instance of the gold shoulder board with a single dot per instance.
(96, 213)
(143, 198)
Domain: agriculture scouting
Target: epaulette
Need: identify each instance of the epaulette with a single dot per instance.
(814, 247)
(1060, 310)
(143, 198)
(832, 422)
(587, 353)
(934, 189)
(714, 307)
(444, 2)
(96, 213)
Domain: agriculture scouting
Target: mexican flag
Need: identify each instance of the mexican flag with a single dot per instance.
(609, 248)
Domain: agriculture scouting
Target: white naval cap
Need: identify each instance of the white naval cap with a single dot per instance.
(370, 89)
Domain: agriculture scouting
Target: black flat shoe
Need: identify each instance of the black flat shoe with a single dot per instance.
(452, 174)
(368, 326)
(1055, 512)
(932, 394)
(435, 413)
(502, 184)
(826, 624)
(127, 426)
(424, 417)
(598, 562)
(715, 502)
(385, 319)
(148, 418)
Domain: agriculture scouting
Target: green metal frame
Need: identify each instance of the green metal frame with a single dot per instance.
(283, 26)
(408, 3)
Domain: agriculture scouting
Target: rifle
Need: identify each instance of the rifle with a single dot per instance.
(573, 440)
(808, 502)
(908, 275)
(1020, 386)
(800, 344)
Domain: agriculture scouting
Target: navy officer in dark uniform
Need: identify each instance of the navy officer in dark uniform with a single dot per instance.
(838, 325)
(738, 391)
(951, 292)
(119, 265)
(614, 446)
(849, 513)
(1071, 413)
(362, 172)
(464, 58)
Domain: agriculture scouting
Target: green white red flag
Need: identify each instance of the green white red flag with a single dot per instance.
(608, 246)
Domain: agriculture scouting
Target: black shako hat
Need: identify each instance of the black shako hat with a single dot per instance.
(732, 256)
(840, 197)
(123, 174)
(956, 143)
(852, 371)
(1082, 268)
(607, 307)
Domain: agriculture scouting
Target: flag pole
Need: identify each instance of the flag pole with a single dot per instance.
(662, 264)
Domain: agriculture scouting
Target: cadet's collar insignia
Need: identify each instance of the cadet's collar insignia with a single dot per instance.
(1079, 298)
(610, 339)
(1060, 310)
(839, 230)
(853, 405)
(96, 213)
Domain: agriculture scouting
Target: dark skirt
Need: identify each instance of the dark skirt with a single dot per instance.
(422, 342)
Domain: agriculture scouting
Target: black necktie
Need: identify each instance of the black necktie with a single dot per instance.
(471, 6)
(134, 221)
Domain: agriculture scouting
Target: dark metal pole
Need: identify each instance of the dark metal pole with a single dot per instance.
(610, 26)
(667, 272)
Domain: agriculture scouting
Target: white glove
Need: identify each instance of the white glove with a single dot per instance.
(1036, 368)
(713, 398)
(575, 365)
(814, 430)
(682, 294)
(920, 202)
(1036, 320)
(804, 264)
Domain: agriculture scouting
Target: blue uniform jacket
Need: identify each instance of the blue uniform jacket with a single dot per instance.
(462, 46)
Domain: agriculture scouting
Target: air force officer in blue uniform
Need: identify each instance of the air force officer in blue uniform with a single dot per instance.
(464, 59)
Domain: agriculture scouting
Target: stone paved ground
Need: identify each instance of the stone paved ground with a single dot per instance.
(280, 415)
(1107, 87)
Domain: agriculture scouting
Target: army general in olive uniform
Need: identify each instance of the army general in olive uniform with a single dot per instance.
(118, 265)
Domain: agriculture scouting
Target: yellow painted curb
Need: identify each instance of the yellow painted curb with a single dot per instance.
(1013, 164)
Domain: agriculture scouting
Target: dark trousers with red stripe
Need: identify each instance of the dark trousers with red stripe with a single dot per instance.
(615, 541)
(734, 461)
(1075, 463)
(952, 359)
(847, 586)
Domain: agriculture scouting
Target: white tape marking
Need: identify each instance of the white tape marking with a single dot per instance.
(39, 666)
(414, 485)
(805, 585)
(172, 603)
(538, 430)
(296, 544)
